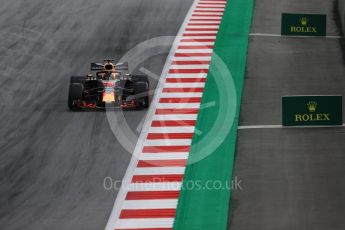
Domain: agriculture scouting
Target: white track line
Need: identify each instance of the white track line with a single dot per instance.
(210, 2)
(191, 59)
(168, 142)
(144, 223)
(166, 156)
(185, 85)
(193, 66)
(172, 186)
(181, 95)
(206, 18)
(150, 204)
(260, 127)
(208, 13)
(196, 37)
(203, 27)
(285, 127)
(197, 43)
(176, 117)
(159, 170)
(198, 31)
(204, 23)
(279, 35)
(204, 50)
(215, 6)
(178, 105)
(192, 75)
(211, 9)
(183, 129)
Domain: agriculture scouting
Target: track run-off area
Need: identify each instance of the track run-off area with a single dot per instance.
(217, 75)
(292, 178)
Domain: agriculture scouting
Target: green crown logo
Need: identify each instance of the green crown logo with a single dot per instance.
(312, 105)
(304, 21)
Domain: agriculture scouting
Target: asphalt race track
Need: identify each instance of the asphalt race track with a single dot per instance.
(291, 178)
(53, 161)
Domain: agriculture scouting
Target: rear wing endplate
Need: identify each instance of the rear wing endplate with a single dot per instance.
(97, 66)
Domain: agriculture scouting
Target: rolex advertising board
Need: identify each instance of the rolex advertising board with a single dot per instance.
(312, 110)
(303, 24)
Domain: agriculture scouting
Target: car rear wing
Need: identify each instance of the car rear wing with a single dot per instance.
(100, 66)
(122, 66)
(97, 66)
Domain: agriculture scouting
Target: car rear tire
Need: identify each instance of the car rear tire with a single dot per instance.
(140, 78)
(141, 89)
(75, 93)
(78, 79)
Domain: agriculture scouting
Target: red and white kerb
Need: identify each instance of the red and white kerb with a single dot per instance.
(152, 194)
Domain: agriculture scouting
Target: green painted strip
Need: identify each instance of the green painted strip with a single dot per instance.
(204, 199)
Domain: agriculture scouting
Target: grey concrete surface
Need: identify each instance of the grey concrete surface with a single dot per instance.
(341, 10)
(288, 66)
(53, 161)
(267, 15)
(292, 178)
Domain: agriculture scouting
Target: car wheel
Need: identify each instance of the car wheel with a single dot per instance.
(141, 89)
(75, 93)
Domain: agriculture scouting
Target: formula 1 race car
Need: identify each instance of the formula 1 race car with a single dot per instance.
(112, 86)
